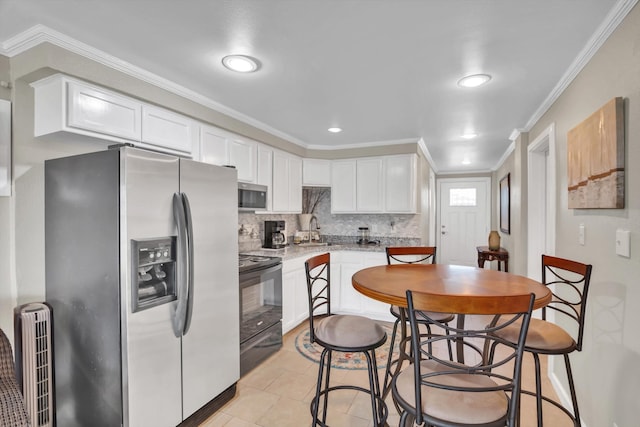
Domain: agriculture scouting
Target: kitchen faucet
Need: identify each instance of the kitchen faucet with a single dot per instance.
(317, 227)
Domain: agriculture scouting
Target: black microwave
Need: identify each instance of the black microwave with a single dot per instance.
(252, 197)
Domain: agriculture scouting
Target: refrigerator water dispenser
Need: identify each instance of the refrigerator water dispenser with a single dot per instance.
(154, 278)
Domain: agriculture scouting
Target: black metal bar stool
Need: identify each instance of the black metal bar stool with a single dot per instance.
(570, 280)
(345, 333)
(408, 255)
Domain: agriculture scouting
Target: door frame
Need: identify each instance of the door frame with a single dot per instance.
(541, 203)
(488, 193)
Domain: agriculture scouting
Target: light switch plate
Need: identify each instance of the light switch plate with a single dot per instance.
(623, 243)
(581, 235)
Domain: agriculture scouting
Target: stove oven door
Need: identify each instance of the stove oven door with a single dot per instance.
(260, 315)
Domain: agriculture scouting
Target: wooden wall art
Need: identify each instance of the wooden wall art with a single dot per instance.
(595, 157)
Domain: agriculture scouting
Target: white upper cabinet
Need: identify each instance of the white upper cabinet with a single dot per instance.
(370, 185)
(220, 147)
(64, 104)
(69, 105)
(316, 173)
(287, 183)
(213, 146)
(167, 129)
(242, 155)
(400, 177)
(385, 184)
(343, 186)
(265, 171)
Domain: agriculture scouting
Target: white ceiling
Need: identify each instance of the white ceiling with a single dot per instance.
(383, 70)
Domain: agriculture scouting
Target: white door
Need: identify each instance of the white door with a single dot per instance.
(463, 220)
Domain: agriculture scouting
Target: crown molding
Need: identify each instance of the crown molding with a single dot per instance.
(39, 34)
(515, 134)
(602, 33)
(363, 144)
(466, 172)
(423, 147)
(506, 154)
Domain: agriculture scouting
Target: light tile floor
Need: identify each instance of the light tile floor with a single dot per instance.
(279, 391)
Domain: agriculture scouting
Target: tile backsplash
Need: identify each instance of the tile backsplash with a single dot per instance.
(336, 228)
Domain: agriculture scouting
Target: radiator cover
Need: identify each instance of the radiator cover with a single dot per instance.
(34, 360)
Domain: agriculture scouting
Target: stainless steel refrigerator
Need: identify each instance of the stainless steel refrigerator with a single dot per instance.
(142, 275)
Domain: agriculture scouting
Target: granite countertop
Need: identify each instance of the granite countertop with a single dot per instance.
(335, 243)
(294, 251)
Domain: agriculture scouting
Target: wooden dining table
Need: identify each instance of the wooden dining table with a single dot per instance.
(468, 290)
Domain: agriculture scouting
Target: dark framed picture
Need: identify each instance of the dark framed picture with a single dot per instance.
(505, 204)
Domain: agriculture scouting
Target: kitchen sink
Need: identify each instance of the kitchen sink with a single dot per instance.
(303, 245)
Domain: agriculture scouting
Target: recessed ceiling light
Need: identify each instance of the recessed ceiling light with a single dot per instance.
(241, 63)
(469, 135)
(474, 80)
(466, 162)
(334, 130)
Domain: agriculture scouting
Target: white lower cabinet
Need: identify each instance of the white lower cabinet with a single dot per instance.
(350, 300)
(295, 305)
(344, 298)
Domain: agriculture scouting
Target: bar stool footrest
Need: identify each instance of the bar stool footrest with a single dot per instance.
(382, 407)
(552, 402)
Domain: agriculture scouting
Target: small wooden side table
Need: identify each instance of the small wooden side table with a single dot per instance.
(486, 254)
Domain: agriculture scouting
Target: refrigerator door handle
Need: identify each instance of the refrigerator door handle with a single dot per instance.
(182, 266)
(189, 311)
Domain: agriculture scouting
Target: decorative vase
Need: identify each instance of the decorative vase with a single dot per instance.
(494, 240)
(304, 220)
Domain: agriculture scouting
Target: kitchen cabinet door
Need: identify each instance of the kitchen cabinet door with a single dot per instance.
(287, 183)
(242, 155)
(400, 184)
(220, 147)
(295, 305)
(168, 130)
(64, 104)
(213, 146)
(295, 184)
(343, 186)
(370, 185)
(288, 301)
(350, 300)
(316, 173)
(265, 172)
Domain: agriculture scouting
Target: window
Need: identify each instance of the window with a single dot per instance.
(462, 197)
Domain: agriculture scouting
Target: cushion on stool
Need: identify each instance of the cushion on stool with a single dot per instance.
(542, 335)
(454, 406)
(349, 331)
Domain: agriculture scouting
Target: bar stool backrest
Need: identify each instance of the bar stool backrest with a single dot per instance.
(411, 254)
(569, 284)
(318, 271)
(482, 376)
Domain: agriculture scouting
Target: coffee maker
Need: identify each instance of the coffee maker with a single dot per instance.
(274, 235)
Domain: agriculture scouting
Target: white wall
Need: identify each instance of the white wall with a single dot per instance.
(607, 371)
